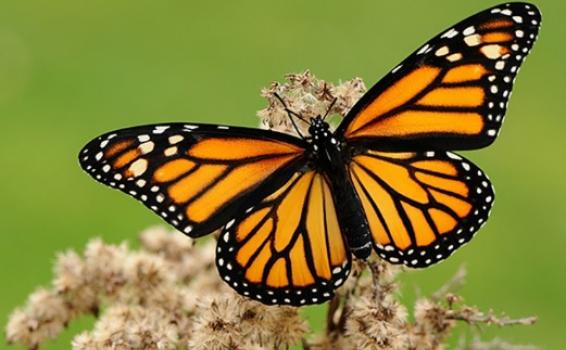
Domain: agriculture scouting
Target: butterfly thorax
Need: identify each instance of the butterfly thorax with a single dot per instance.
(325, 146)
(326, 152)
(329, 158)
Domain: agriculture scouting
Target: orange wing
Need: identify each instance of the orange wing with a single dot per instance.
(452, 93)
(288, 249)
(196, 177)
(420, 206)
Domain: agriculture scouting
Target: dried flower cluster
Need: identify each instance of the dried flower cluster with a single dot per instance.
(367, 315)
(168, 295)
(165, 296)
(308, 97)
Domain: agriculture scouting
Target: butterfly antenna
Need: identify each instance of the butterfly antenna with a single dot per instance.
(330, 108)
(290, 114)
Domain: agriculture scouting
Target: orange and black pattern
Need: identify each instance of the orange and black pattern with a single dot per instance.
(420, 206)
(294, 210)
(288, 248)
(194, 176)
(452, 93)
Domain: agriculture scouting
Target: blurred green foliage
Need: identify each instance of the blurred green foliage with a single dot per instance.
(70, 70)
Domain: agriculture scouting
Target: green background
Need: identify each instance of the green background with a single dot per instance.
(70, 70)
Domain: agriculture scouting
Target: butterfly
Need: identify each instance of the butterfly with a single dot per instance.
(293, 211)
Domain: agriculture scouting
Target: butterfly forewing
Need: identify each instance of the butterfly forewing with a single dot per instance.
(451, 93)
(193, 176)
(420, 206)
(288, 248)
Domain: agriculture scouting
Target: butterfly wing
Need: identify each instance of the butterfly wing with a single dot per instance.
(287, 249)
(195, 176)
(451, 93)
(420, 206)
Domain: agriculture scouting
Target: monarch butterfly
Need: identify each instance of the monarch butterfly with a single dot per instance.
(294, 210)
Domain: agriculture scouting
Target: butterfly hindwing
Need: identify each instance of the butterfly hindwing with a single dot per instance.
(195, 176)
(451, 93)
(287, 248)
(420, 206)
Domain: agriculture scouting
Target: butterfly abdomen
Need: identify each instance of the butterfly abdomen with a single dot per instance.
(353, 222)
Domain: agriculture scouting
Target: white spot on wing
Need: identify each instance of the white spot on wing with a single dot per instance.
(473, 40)
(230, 223)
(453, 156)
(491, 51)
(170, 151)
(160, 129)
(468, 31)
(175, 139)
(454, 57)
(444, 50)
(450, 33)
(499, 65)
(146, 147)
(423, 49)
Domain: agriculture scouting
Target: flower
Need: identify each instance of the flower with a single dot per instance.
(44, 317)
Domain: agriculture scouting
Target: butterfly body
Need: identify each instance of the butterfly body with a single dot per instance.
(331, 157)
(292, 211)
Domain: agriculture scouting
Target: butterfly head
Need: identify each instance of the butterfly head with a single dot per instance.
(319, 129)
